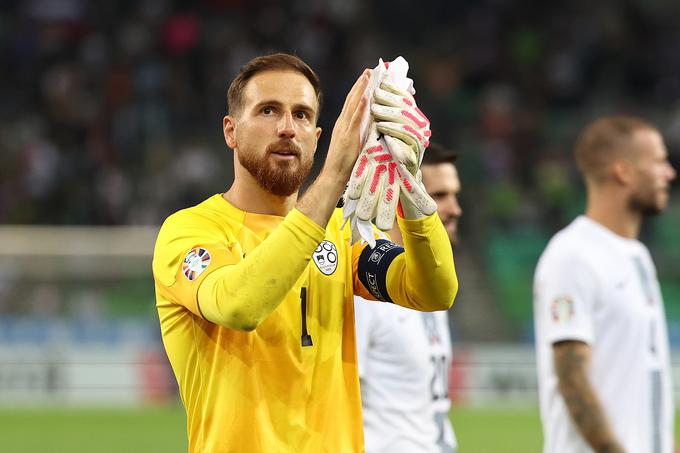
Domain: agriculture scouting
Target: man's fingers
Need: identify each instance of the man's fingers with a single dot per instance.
(371, 192)
(409, 116)
(357, 91)
(357, 116)
(414, 193)
(387, 205)
(355, 94)
(391, 87)
(405, 133)
(402, 152)
(362, 168)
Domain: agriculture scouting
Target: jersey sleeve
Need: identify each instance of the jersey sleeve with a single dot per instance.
(421, 275)
(243, 295)
(359, 249)
(184, 256)
(565, 290)
(235, 291)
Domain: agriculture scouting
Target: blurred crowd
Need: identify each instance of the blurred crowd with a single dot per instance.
(111, 112)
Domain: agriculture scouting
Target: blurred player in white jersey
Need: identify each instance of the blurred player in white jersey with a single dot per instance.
(604, 371)
(404, 355)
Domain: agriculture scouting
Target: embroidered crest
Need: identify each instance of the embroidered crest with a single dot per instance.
(196, 261)
(326, 257)
(562, 309)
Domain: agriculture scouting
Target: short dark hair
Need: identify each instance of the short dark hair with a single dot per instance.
(604, 141)
(276, 61)
(437, 153)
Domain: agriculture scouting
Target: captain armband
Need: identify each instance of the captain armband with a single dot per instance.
(373, 265)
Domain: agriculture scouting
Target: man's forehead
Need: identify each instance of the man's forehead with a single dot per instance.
(281, 85)
(647, 143)
(441, 174)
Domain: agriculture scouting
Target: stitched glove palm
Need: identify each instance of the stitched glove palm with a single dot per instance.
(406, 132)
(406, 128)
(379, 181)
(373, 186)
(386, 171)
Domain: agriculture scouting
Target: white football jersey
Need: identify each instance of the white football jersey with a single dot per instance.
(404, 359)
(594, 286)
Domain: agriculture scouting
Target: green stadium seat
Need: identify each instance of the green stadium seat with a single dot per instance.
(511, 257)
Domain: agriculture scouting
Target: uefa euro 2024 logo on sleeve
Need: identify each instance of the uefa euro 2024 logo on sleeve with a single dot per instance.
(562, 309)
(196, 261)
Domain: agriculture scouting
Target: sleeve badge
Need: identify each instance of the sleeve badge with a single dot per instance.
(196, 261)
(562, 309)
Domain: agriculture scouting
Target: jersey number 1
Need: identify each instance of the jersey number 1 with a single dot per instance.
(305, 338)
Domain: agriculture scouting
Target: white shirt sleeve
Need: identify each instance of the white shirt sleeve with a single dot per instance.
(565, 291)
(364, 317)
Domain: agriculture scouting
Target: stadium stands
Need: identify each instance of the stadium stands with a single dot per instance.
(111, 114)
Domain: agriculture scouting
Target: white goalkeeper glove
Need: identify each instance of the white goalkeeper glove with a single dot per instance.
(406, 128)
(406, 131)
(379, 181)
(386, 170)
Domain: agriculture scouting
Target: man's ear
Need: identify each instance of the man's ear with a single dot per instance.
(316, 142)
(229, 129)
(622, 171)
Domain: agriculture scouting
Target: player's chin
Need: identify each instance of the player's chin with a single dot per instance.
(656, 207)
(662, 201)
(662, 196)
(287, 166)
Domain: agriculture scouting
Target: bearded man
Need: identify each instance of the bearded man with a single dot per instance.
(254, 287)
(604, 369)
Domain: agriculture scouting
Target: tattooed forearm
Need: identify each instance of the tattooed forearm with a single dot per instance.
(572, 360)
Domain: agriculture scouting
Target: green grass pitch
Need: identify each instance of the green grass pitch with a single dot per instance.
(93, 430)
(162, 430)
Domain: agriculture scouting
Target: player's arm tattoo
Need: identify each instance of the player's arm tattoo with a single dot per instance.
(572, 361)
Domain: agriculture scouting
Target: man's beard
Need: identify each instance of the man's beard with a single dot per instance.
(278, 178)
(647, 206)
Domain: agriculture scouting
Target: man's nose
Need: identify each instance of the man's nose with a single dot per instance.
(286, 126)
(452, 207)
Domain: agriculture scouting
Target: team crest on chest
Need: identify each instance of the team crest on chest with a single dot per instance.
(326, 257)
(196, 261)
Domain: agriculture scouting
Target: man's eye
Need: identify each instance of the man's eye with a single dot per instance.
(301, 115)
(267, 110)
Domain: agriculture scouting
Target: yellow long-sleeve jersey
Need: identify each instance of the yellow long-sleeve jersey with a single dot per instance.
(286, 380)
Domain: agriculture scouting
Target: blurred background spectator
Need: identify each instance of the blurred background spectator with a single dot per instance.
(111, 112)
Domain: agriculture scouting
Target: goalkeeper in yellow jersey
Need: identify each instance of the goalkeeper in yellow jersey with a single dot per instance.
(254, 287)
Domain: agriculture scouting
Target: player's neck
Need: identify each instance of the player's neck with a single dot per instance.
(250, 197)
(615, 215)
